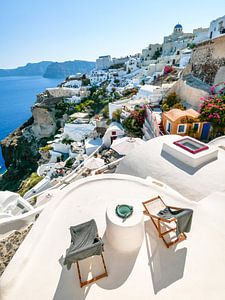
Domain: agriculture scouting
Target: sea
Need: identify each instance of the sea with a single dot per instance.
(17, 95)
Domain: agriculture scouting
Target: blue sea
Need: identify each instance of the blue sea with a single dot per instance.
(17, 95)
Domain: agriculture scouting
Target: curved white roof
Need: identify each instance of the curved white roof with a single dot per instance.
(6, 197)
(37, 272)
(148, 160)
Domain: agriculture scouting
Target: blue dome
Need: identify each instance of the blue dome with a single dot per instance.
(178, 26)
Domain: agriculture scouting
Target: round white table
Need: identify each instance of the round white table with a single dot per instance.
(125, 235)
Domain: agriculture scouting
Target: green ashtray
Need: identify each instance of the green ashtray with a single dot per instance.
(124, 211)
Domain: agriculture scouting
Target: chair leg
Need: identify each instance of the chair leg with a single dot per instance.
(78, 269)
(83, 283)
(157, 224)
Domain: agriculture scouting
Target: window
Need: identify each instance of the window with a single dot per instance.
(168, 126)
(220, 25)
(181, 128)
(196, 127)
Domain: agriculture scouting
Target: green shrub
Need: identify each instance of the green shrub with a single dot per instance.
(46, 148)
(67, 141)
(172, 101)
(69, 163)
(116, 115)
(29, 183)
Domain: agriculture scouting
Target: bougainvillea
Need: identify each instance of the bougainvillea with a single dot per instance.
(218, 89)
(134, 123)
(212, 109)
(167, 69)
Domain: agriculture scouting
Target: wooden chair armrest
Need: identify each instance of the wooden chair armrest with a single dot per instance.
(174, 207)
(158, 218)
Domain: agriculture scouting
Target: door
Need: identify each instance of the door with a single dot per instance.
(113, 138)
(205, 131)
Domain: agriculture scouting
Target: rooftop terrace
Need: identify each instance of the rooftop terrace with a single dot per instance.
(193, 269)
(193, 183)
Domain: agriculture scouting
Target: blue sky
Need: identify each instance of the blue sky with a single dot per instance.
(58, 30)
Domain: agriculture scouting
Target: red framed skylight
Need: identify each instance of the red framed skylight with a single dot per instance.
(190, 145)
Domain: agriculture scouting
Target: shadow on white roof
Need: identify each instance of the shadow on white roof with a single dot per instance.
(193, 269)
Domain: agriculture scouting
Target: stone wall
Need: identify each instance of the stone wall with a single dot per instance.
(44, 124)
(189, 95)
(207, 60)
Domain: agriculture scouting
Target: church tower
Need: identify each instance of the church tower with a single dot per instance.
(178, 29)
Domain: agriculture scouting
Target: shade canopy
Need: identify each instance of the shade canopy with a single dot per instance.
(94, 163)
(126, 144)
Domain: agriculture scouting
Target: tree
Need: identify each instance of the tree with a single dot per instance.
(157, 54)
(116, 115)
(134, 123)
(105, 112)
(172, 101)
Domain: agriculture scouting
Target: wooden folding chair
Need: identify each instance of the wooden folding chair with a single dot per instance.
(104, 274)
(163, 226)
(85, 242)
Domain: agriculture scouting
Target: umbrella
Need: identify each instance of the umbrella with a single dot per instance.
(126, 144)
(94, 163)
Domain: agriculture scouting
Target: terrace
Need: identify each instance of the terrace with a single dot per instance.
(151, 270)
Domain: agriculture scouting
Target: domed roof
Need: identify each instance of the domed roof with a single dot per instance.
(178, 26)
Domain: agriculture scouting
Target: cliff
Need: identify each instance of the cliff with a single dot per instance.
(21, 148)
(207, 67)
(20, 152)
(64, 69)
(50, 69)
(208, 61)
(31, 69)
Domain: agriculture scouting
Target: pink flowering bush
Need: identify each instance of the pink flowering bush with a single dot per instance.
(212, 109)
(134, 123)
(167, 69)
(218, 89)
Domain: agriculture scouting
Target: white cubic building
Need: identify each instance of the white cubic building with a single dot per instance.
(200, 35)
(149, 52)
(217, 27)
(98, 77)
(114, 131)
(103, 62)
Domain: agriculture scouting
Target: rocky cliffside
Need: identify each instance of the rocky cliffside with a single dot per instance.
(64, 69)
(31, 69)
(21, 148)
(208, 61)
(207, 67)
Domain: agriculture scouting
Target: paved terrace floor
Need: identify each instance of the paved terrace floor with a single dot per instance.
(193, 269)
(148, 160)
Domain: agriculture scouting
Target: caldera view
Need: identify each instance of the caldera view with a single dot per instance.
(112, 150)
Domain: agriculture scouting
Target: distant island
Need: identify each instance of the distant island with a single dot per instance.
(50, 69)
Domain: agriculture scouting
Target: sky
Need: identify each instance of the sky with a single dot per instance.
(59, 30)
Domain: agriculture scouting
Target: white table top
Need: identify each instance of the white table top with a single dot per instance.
(133, 220)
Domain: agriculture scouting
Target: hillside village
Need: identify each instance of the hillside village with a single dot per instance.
(89, 123)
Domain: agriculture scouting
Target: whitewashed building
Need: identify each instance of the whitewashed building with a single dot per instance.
(185, 57)
(73, 83)
(114, 131)
(149, 52)
(132, 64)
(103, 62)
(153, 117)
(176, 41)
(151, 92)
(119, 61)
(78, 132)
(98, 77)
(200, 35)
(217, 27)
